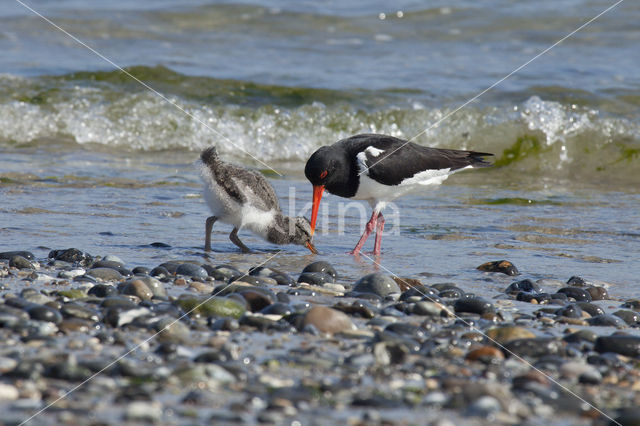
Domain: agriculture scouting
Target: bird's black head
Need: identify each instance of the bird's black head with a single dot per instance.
(321, 166)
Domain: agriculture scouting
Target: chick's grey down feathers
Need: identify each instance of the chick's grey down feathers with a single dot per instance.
(238, 186)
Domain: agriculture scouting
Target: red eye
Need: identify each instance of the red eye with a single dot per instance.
(323, 175)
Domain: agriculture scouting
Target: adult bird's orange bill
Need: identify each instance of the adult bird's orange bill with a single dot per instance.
(379, 169)
(317, 196)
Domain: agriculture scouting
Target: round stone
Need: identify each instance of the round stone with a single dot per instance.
(597, 293)
(156, 286)
(630, 317)
(607, 320)
(105, 274)
(474, 305)
(321, 266)
(7, 255)
(376, 283)
(523, 285)
(622, 344)
(137, 288)
(502, 266)
(315, 278)
(328, 320)
(191, 270)
(507, 333)
(44, 313)
(572, 310)
(577, 293)
(20, 262)
(102, 290)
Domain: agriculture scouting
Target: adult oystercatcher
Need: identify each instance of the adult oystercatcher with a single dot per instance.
(380, 168)
(245, 199)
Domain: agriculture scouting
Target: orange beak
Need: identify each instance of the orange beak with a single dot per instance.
(311, 248)
(317, 196)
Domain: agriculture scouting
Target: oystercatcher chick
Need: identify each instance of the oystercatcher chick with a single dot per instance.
(378, 169)
(245, 199)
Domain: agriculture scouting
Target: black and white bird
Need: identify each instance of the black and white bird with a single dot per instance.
(378, 169)
(245, 199)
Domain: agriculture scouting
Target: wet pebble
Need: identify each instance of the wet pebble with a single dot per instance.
(137, 288)
(20, 262)
(102, 290)
(630, 317)
(607, 320)
(223, 272)
(44, 313)
(323, 267)
(577, 293)
(7, 255)
(619, 343)
(571, 310)
(191, 270)
(105, 274)
(504, 334)
(526, 285)
(535, 347)
(475, 305)
(377, 283)
(597, 293)
(501, 266)
(327, 320)
(72, 255)
(315, 278)
(590, 308)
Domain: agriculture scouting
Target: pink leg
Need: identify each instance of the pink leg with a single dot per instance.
(368, 229)
(379, 228)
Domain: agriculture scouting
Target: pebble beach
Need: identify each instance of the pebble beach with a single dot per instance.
(507, 295)
(98, 340)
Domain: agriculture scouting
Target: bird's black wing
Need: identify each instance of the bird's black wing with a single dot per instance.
(389, 160)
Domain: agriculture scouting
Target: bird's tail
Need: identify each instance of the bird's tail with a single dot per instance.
(209, 156)
(477, 160)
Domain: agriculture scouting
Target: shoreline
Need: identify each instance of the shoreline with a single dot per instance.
(282, 346)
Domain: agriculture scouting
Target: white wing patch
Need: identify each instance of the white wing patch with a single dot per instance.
(362, 158)
(376, 192)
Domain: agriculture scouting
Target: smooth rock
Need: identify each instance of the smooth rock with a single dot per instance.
(44, 313)
(622, 344)
(315, 278)
(607, 320)
(571, 310)
(377, 283)
(191, 270)
(7, 255)
(577, 293)
(597, 293)
(321, 266)
(211, 306)
(105, 274)
(137, 288)
(590, 308)
(328, 320)
(71, 255)
(630, 317)
(486, 354)
(156, 286)
(103, 290)
(535, 348)
(504, 334)
(502, 266)
(526, 285)
(20, 262)
(475, 305)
